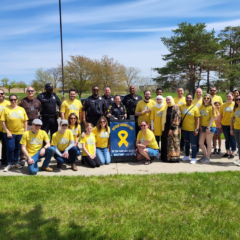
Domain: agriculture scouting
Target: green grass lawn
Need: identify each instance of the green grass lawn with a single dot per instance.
(166, 206)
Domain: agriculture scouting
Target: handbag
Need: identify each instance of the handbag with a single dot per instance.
(180, 125)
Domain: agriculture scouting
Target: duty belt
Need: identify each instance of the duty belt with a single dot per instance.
(48, 115)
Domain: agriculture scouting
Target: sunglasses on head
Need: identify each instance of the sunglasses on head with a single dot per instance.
(206, 98)
(13, 99)
(64, 125)
(30, 90)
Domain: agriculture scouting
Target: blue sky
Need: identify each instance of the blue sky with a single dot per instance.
(127, 30)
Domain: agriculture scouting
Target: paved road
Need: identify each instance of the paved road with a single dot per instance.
(217, 164)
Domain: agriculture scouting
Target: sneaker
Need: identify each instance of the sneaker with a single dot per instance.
(185, 158)
(158, 156)
(204, 159)
(193, 161)
(231, 156)
(9, 167)
(219, 151)
(22, 162)
(237, 162)
(59, 165)
(226, 155)
(47, 169)
(17, 165)
(215, 151)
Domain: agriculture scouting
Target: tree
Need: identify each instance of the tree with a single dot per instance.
(78, 73)
(5, 82)
(189, 44)
(11, 85)
(43, 77)
(37, 86)
(55, 76)
(22, 85)
(131, 76)
(230, 42)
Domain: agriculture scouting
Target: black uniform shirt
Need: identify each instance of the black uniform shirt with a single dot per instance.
(109, 101)
(117, 111)
(131, 103)
(49, 102)
(94, 107)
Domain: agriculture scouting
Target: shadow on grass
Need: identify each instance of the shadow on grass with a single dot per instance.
(33, 225)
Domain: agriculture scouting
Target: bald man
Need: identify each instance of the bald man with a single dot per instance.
(198, 100)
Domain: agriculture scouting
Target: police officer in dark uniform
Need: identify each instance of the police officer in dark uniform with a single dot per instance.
(117, 109)
(108, 98)
(49, 115)
(130, 101)
(94, 107)
(32, 107)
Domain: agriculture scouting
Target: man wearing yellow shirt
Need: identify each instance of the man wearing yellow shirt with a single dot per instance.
(32, 147)
(198, 100)
(64, 146)
(159, 92)
(3, 104)
(143, 109)
(214, 97)
(190, 126)
(72, 105)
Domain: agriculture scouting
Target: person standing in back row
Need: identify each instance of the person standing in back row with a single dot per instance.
(33, 108)
(214, 97)
(49, 116)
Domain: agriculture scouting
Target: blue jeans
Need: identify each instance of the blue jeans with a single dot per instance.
(229, 139)
(190, 138)
(104, 155)
(33, 168)
(13, 148)
(73, 153)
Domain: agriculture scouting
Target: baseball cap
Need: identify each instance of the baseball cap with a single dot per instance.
(37, 121)
(63, 121)
(49, 86)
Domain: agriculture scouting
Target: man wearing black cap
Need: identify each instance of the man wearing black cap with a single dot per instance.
(49, 101)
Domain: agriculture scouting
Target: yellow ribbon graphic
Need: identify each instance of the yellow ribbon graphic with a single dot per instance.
(123, 138)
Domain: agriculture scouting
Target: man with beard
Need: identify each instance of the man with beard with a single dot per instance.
(108, 97)
(214, 97)
(143, 109)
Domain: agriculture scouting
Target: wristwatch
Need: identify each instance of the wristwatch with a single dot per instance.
(196, 130)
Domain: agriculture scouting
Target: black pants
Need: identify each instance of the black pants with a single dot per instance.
(92, 120)
(50, 124)
(92, 162)
(157, 139)
(182, 142)
(4, 156)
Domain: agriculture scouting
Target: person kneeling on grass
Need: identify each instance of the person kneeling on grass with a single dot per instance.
(89, 147)
(32, 147)
(64, 146)
(146, 144)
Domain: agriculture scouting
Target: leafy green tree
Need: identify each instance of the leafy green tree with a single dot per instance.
(5, 82)
(187, 47)
(43, 77)
(36, 85)
(22, 85)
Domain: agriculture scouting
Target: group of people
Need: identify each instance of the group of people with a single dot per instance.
(26, 124)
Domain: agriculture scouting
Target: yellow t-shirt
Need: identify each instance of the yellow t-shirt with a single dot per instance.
(33, 142)
(217, 99)
(75, 131)
(180, 101)
(236, 114)
(62, 141)
(143, 106)
(89, 141)
(226, 111)
(14, 118)
(206, 114)
(2, 106)
(156, 116)
(197, 103)
(101, 137)
(149, 136)
(189, 123)
(69, 107)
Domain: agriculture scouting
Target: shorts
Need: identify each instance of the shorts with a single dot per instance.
(212, 129)
(152, 152)
(218, 132)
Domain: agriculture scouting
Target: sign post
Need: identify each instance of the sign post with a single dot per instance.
(122, 139)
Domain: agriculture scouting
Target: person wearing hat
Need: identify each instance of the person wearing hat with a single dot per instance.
(49, 101)
(64, 147)
(33, 149)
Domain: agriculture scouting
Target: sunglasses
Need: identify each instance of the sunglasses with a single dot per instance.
(143, 125)
(2, 93)
(11, 100)
(37, 125)
(238, 99)
(95, 89)
(206, 98)
(64, 125)
(72, 118)
(102, 121)
(30, 90)
(213, 90)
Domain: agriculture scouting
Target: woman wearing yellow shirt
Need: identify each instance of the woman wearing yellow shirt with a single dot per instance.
(156, 118)
(75, 128)
(190, 127)
(208, 114)
(89, 147)
(235, 125)
(146, 143)
(14, 122)
(63, 143)
(225, 115)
